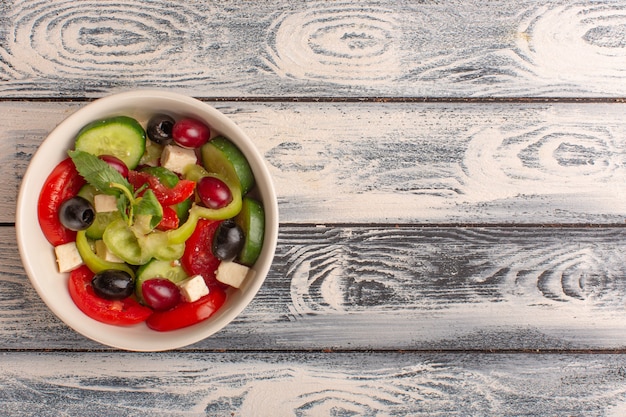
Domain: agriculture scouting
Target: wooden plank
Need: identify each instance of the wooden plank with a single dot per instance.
(398, 288)
(312, 384)
(406, 162)
(375, 48)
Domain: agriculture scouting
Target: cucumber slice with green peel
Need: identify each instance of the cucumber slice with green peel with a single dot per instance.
(121, 136)
(158, 269)
(251, 219)
(87, 192)
(223, 157)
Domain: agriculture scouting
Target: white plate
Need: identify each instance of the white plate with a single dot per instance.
(38, 256)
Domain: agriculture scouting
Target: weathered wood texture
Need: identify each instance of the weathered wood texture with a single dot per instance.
(406, 162)
(399, 288)
(311, 384)
(341, 49)
(405, 226)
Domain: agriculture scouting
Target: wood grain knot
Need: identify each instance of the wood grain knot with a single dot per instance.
(581, 43)
(562, 157)
(334, 42)
(373, 271)
(94, 41)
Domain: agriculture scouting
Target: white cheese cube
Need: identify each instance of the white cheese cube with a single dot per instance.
(193, 288)
(176, 158)
(68, 257)
(233, 274)
(103, 252)
(104, 203)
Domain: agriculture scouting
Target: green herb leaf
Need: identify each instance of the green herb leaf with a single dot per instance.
(98, 173)
(148, 205)
(122, 205)
(141, 189)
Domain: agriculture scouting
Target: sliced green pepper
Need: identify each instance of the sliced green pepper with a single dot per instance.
(136, 248)
(121, 240)
(100, 223)
(196, 212)
(95, 263)
(157, 244)
(194, 172)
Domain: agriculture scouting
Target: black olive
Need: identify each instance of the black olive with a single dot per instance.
(113, 284)
(228, 240)
(76, 213)
(159, 129)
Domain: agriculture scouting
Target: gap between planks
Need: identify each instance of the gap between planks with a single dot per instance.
(459, 225)
(444, 225)
(364, 99)
(338, 351)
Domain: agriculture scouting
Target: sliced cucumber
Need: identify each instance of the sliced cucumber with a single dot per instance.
(251, 219)
(87, 192)
(122, 137)
(158, 269)
(223, 157)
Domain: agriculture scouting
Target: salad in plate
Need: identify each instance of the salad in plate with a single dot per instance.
(154, 224)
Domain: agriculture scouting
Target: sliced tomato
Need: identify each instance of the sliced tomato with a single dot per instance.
(166, 196)
(187, 314)
(198, 258)
(63, 182)
(119, 312)
(170, 219)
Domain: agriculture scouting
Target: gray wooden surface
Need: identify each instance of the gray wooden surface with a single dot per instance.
(451, 182)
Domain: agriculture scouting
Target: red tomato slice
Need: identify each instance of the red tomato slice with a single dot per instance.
(119, 312)
(166, 196)
(187, 314)
(62, 183)
(169, 220)
(198, 258)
